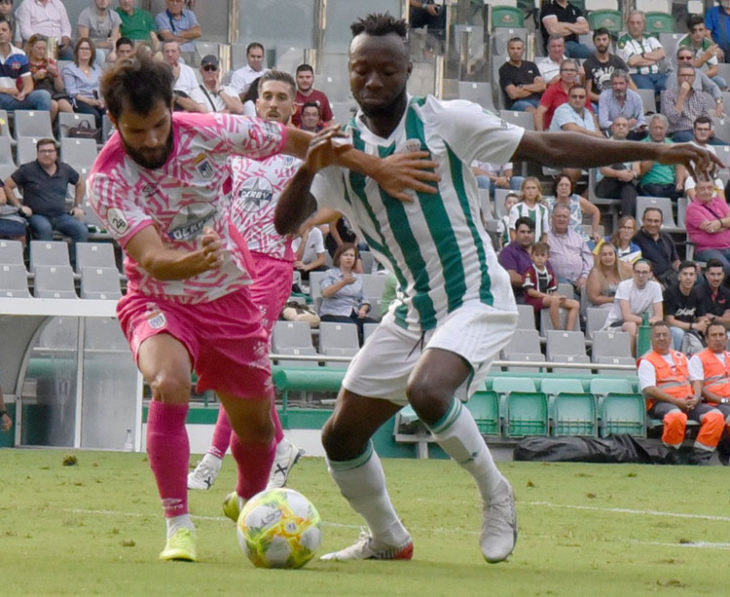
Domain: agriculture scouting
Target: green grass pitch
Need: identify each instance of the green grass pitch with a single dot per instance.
(96, 528)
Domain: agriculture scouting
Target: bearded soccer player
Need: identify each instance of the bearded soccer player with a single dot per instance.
(161, 186)
(256, 189)
(455, 309)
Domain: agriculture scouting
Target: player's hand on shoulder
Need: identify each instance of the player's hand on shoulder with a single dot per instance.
(401, 172)
(325, 146)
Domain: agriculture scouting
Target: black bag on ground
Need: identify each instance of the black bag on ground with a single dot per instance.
(614, 448)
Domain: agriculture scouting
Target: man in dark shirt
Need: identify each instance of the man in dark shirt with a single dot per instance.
(598, 67)
(560, 17)
(658, 247)
(515, 257)
(520, 80)
(714, 295)
(43, 183)
(683, 310)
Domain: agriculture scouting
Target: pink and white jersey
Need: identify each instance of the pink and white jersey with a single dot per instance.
(190, 191)
(257, 186)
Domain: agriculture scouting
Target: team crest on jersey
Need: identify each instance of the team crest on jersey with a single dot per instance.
(148, 189)
(413, 145)
(255, 193)
(203, 166)
(116, 221)
(189, 222)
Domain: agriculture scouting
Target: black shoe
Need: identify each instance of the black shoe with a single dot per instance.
(700, 457)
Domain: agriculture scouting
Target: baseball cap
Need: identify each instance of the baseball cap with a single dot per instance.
(209, 60)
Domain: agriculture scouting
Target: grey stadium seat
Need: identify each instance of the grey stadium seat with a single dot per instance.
(100, 283)
(54, 281)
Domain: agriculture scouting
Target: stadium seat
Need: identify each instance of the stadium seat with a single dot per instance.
(338, 339)
(609, 19)
(78, 153)
(613, 343)
(508, 17)
(5, 126)
(484, 407)
(11, 252)
(480, 93)
(522, 119)
(293, 338)
(526, 413)
(526, 317)
(314, 290)
(499, 96)
(6, 153)
(13, 281)
(100, 283)
(68, 120)
(409, 428)
(54, 281)
(682, 204)
(25, 151)
(368, 262)
(546, 323)
(343, 111)
(45, 252)
(367, 329)
(524, 346)
(608, 360)
(664, 6)
(595, 318)
(552, 386)
(648, 99)
(696, 7)
(501, 37)
(504, 385)
(574, 414)
(659, 22)
(95, 255)
(33, 123)
(622, 413)
(662, 203)
(373, 285)
(562, 343)
(602, 387)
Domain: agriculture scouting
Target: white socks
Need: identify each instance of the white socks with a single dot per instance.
(178, 522)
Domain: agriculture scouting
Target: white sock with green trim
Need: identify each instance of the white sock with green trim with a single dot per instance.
(457, 433)
(362, 482)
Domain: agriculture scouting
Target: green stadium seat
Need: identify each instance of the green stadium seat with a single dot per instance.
(507, 16)
(484, 407)
(602, 386)
(610, 19)
(503, 385)
(526, 414)
(622, 413)
(659, 22)
(574, 414)
(553, 386)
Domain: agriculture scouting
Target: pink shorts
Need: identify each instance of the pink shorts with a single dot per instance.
(227, 345)
(271, 287)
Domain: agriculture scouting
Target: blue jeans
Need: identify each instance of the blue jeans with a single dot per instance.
(522, 105)
(677, 337)
(723, 255)
(484, 182)
(657, 82)
(575, 49)
(42, 228)
(39, 99)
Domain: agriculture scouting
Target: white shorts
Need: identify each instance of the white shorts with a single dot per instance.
(475, 331)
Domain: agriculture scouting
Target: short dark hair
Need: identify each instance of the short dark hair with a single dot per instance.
(380, 24)
(693, 21)
(46, 141)
(304, 67)
(278, 75)
(687, 264)
(702, 120)
(712, 324)
(656, 209)
(123, 41)
(514, 39)
(312, 105)
(139, 84)
(601, 31)
(640, 261)
(524, 220)
(5, 20)
(254, 44)
(713, 263)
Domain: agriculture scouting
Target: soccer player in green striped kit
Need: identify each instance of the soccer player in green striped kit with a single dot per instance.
(455, 309)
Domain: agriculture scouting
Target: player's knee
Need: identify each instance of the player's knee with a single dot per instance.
(168, 387)
(429, 400)
(340, 444)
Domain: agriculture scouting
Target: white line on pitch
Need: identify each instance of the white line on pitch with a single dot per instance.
(631, 511)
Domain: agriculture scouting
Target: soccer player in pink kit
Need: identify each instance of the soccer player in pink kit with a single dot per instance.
(256, 189)
(161, 186)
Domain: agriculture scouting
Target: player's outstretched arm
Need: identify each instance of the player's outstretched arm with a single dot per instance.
(161, 262)
(581, 151)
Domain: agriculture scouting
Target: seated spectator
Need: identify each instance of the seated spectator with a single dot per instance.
(701, 83)
(311, 119)
(16, 80)
(342, 296)
(657, 247)
(619, 181)
(570, 256)
(541, 287)
(655, 179)
(664, 380)
(426, 13)
(6, 11)
(100, 24)
(634, 297)
(622, 240)
(708, 225)
(210, 95)
(341, 232)
(43, 183)
(683, 308)
(178, 24)
(643, 53)
(714, 295)
(310, 252)
(5, 421)
(250, 97)
(81, 80)
(707, 54)
(137, 24)
(520, 80)
(710, 368)
(599, 66)
(619, 101)
(605, 276)
(556, 95)
(12, 223)
(703, 132)
(185, 80)
(496, 176)
(532, 206)
(46, 75)
(49, 18)
(560, 17)
(306, 93)
(578, 207)
(683, 104)
(515, 257)
(242, 78)
(123, 49)
(503, 224)
(573, 115)
(551, 65)
(717, 21)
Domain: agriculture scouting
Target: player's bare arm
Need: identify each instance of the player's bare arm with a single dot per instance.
(150, 252)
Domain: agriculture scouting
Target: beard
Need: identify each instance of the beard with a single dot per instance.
(150, 158)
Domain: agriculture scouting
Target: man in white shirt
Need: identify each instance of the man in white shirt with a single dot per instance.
(573, 116)
(549, 66)
(185, 80)
(210, 94)
(310, 251)
(243, 77)
(49, 18)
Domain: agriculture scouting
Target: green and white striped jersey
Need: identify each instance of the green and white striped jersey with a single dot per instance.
(435, 245)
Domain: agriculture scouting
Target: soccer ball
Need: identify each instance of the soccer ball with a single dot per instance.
(279, 528)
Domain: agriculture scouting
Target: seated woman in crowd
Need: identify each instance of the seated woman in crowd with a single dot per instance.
(578, 207)
(342, 296)
(604, 278)
(12, 224)
(46, 75)
(82, 81)
(622, 240)
(531, 206)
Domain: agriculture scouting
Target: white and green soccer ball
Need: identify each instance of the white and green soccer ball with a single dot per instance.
(279, 528)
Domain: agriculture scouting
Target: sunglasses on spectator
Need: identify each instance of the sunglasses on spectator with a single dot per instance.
(582, 96)
(684, 57)
(210, 67)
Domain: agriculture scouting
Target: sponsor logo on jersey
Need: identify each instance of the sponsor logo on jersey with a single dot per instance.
(255, 193)
(189, 222)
